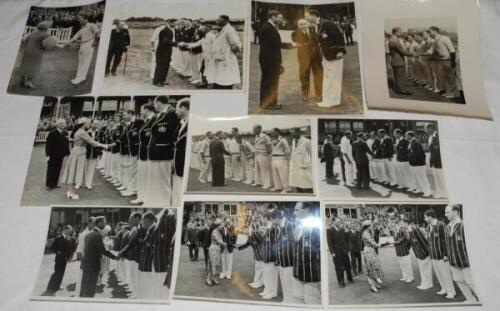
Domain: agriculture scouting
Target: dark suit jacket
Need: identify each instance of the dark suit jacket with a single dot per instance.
(57, 145)
(63, 248)
(387, 148)
(146, 250)
(416, 154)
(435, 154)
(124, 143)
(377, 151)
(338, 241)
(359, 151)
(331, 40)
(229, 238)
(204, 237)
(161, 145)
(163, 243)
(354, 241)
(402, 150)
(217, 151)
(270, 45)
(144, 138)
(180, 149)
(93, 251)
(133, 137)
(93, 152)
(165, 43)
(119, 39)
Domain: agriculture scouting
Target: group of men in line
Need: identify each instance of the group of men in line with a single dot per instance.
(436, 246)
(428, 59)
(266, 161)
(142, 247)
(146, 159)
(399, 161)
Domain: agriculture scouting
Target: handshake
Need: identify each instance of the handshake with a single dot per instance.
(183, 44)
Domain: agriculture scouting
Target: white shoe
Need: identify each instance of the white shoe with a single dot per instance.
(409, 280)
(201, 181)
(450, 296)
(77, 187)
(76, 81)
(136, 201)
(261, 294)
(72, 196)
(265, 187)
(426, 195)
(284, 191)
(128, 193)
(89, 187)
(268, 297)
(441, 292)
(221, 276)
(228, 277)
(423, 288)
(121, 188)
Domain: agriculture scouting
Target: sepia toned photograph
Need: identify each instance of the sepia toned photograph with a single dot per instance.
(113, 150)
(184, 46)
(380, 159)
(423, 60)
(304, 59)
(105, 254)
(251, 155)
(58, 51)
(398, 254)
(251, 252)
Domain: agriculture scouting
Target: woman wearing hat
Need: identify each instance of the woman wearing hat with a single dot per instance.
(75, 166)
(214, 251)
(372, 262)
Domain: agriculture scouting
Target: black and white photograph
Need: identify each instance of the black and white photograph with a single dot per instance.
(423, 60)
(113, 150)
(251, 155)
(429, 61)
(305, 59)
(58, 51)
(380, 159)
(105, 254)
(183, 46)
(251, 252)
(399, 254)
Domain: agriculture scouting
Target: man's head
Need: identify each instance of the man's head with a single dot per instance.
(381, 133)
(312, 16)
(223, 20)
(60, 124)
(452, 212)
(210, 135)
(361, 136)
(235, 132)
(434, 31)
(147, 110)
(276, 132)
(91, 223)
(410, 135)
(148, 219)
(398, 133)
(100, 222)
(257, 129)
(275, 17)
(302, 209)
(302, 24)
(296, 133)
(397, 32)
(429, 215)
(135, 219)
(67, 230)
(426, 34)
(348, 134)
(161, 102)
(430, 128)
(83, 20)
(182, 109)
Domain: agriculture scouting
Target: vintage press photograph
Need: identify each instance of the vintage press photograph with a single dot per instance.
(423, 59)
(58, 51)
(252, 252)
(305, 59)
(398, 254)
(183, 46)
(380, 159)
(113, 150)
(251, 155)
(108, 253)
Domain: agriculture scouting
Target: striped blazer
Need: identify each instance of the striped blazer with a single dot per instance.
(401, 243)
(419, 244)
(455, 245)
(307, 258)
(146, 254)
(285, 245)
(437, 241)
(163, 243)
(270, 244)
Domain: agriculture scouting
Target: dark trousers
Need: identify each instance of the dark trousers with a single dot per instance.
(305, 68)
(218, 174)
(89, 283)
(399, 73)
(193, 252)
(53, 171)
(363, 175)
(205, 257)
(329, 167)
(356, 264)
(115, 56)
(342, 166)
(348, 38)
(56, 277)
(269, 83)
(342, 264)
(161, 69)
(222, 87)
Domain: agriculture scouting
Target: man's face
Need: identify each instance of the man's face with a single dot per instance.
(408, 137)
(429, 130)
(101, 224)
(257, 130)
(427, 219)
(300, 211)
(433, 33)
(302, 24)
(61, 125)
(381, 135)
(397, 135)
(91, 225)
(450, 213)
(310, 18)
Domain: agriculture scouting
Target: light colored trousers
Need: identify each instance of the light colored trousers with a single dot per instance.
(186, 63)
(84, 60)
(143, 168)
(228, 172)
(257, 277)
(132, 175)
(125, 163)
(236, 167)
(250, 170)
(443, 274)
(406, 268)
(308, 293)
(262, 170)
(206, 170)
(389, 171)
(437, 174)
(160, 185)
(196, 60)
(350, 171)
(420, 181)
(270, 278)
(227, 263)
(332, 82)
(286, 279)
(280, 166)
(89, 172)
(425, 268)
(403, 173)
(176, 190)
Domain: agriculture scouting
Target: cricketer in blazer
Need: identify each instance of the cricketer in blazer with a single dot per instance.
(330, 40)
(180, 149)
(162, 142)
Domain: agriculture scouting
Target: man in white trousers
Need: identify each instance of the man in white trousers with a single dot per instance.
(416, 157)
(420, 248)
(263, 149)
(133, 152)
(280, 161)
(249, 153)
(269, 270)
(401, 164)
(349, 165)
(285, 258)
(386, 154)
(206, 164)
(229, 237)
(131, 251)
(402, 248)
(86, 37)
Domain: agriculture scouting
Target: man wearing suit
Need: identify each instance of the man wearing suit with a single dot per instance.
(145, 288)
(270, 60)
(217, 152)
(163, 252)
(166, 40)
(435, 160)
(63, 246)
(355, 249)
(309, 57)
(397, 53)
(130, 251)
(328, 156)
(402, 247)
(338, 245)
(182, 112)
(332, 45)
(401, 165)
(119, 41)
(416, 157)
(91, 262)
(161, 152)
(386, 154)
(359, 153)
(132, 138)
(56, 149)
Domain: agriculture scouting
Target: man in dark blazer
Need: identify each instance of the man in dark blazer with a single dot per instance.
(119, 40)
(163, 252)
(132, 139)
(386, 154)
(354, 235)
(130, 250)
(270, 60)
(359, 153)
(63, 246)
(145, 288)
(338, 244)
(56, 149)
(217, 152)
(166, 40)
(328, 157)
(91, 262)
(182, 111)
(309, 57)
(401, 165)
(435, 159)
(416, 158)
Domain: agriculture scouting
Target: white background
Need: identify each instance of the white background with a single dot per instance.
(470, 150)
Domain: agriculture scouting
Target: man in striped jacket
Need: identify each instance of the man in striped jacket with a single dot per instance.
(145, 288)
(457, 252)
(270, 271)
(256, 241)
(402, 247)
(285, 258)
(439, 255)
(420, 247)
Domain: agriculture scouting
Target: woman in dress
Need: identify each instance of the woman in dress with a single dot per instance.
(75, 166)
(372, 263)
(214, 251)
